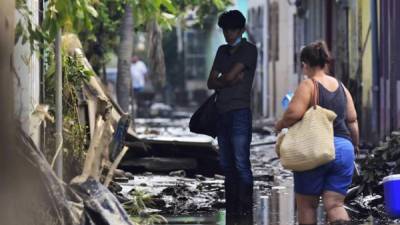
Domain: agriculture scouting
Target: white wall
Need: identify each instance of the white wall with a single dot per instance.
(27, 79)
(285, 77)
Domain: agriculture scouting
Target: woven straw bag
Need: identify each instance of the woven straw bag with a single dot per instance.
(309, 142)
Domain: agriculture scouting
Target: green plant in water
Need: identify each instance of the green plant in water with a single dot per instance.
(137, 208)
(150, 219)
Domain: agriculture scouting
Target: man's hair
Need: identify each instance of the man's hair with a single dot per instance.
(232, 19)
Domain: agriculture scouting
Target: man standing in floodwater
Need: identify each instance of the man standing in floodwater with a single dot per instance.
(232, 76)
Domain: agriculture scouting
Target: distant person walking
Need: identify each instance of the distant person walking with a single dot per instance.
(330, 180)
(139, 76)
(232, 76)
(138, 73)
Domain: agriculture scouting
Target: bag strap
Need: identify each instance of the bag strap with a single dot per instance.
(315, 94)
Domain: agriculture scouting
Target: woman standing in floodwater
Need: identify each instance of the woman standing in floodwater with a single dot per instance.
(330, 180)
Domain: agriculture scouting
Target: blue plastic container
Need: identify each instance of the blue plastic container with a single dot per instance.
(391, 185)
(286, 100)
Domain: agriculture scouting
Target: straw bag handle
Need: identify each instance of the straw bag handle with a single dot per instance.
(315, 94)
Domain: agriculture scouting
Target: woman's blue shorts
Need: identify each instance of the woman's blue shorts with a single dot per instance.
(334, 176)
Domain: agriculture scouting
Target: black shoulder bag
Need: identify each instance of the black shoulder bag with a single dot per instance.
(204, 120)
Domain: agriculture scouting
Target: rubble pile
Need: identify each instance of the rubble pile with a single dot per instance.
(183, 192)
(365, 197)
(188, 191)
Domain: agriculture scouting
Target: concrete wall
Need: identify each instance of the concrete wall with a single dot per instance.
(27, 80)
(279, 44)
(360, 62)
(282, 77)
(216, 38)
(389, 67)
(257, 26)
(355, 39)
(366, 70)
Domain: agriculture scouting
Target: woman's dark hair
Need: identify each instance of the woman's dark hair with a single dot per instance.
(232, 19)
(316, 54)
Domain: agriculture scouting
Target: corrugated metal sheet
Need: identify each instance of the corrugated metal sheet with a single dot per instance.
(315, 20)
(309, 26)
(389, 68)
(255, 24)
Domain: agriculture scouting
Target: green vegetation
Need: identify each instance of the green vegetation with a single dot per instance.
(99, 23)
(75, 135)
(68, 15)
(137, 208)
(382, 161)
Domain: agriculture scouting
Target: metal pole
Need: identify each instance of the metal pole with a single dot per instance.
(58, 94)
(375, 68)
(265, 98)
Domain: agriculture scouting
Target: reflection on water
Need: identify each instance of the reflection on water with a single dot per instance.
(272, 206)
(211, 219)
(276, 208)
(219, 219)
(321, 214)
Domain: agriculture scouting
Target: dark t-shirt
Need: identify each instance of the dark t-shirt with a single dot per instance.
(238, 95)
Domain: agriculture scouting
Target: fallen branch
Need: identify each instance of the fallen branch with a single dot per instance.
(114, 166)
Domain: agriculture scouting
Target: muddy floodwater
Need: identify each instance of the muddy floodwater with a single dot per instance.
(218, 218)
(198, 198)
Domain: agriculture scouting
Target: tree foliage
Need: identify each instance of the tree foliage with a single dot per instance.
(102, 39)
(69, 15)
(204, 8)
(98, 21)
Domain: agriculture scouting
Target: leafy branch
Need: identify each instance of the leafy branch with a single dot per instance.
(74, 133)
(69, 15)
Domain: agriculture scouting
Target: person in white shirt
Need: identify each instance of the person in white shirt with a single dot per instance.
(138, 74)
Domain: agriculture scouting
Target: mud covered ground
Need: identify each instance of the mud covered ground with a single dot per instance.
(182, 193)
(178, 192)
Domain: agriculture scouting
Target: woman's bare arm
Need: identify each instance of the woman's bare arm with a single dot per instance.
(351, 119)
(298, 105)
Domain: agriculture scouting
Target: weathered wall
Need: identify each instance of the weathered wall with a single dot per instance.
(365, 45)
(27, 79)
(284, 75)
(279, 67)
(389, 66)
